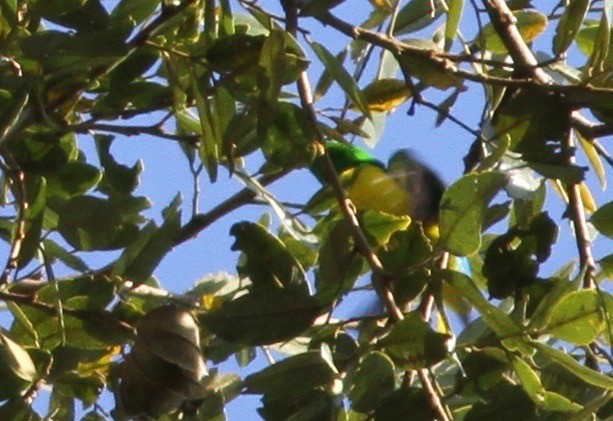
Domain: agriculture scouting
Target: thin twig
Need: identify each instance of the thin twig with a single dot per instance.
(574, 94)
(13, 171)
(154, 130)
(504, 23)
(201, 221)
(100, 318)
(380, 278)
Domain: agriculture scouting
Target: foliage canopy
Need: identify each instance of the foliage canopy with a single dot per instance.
(229, 83)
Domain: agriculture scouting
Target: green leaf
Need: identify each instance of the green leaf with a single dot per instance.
(574, 367)
(570, 174)
(61, 403)
(74, 178)
(381, 226)
(569, 25)
(16, 358)
(118, 179)
(267, 261)
(561, 287)
(134, 11)
(90, 223)
(550, 401)
(263, 316)
(594, 158)
(325, 80)
(211, 134)
(498, 320)
(603, 219)
(606, 263)
(372, 382)
(316, 404)
(141, 257)
(413, 344)
(54, 251)
(406, 249)
(292, 376)
(417, 14)
(344, 79)
(339, 263)
(530, 24)
(577, 318)
(235, 53)
(462, 211)
(288, 139)
(503, 402)
(384, 95)
(425, 68)
(454, 15)
(406, 403)
(82, 15)
(587, 36)
(35, 189)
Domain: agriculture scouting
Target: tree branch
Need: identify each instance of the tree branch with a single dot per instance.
(201, 221)
(100, 318)
(503, 21)
(532, 76)
(380, 278)
(154, 130)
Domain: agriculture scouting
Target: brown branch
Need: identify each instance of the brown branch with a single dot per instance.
(532, 76)
(154, 130)
(503, 21)
(579, 220)
(380, 278)
(201, 221)
(99, 318)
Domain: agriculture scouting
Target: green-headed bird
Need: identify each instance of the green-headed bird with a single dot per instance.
(405, 187)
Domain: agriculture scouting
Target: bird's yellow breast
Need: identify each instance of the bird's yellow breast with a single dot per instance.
(372, 188)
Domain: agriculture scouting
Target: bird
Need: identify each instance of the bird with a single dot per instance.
(405, 186)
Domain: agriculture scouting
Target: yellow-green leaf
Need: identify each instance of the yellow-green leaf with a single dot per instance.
(577, 318)
(530, 24)
(384, 95)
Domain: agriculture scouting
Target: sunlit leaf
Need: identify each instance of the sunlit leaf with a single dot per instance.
(574, 367)
(603, 219)
(426, 68)
(417, 14)
(454, 15)
(569, 25)
(577, 318)
(594, 158)
(547, 400)
(497, 319)
(462, 210)
(530, 24)
(384, 95)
